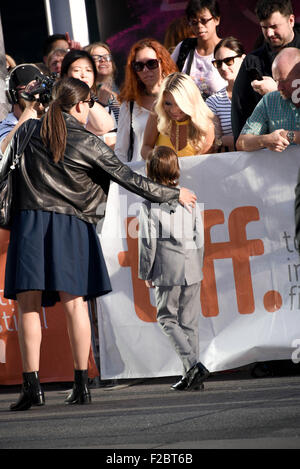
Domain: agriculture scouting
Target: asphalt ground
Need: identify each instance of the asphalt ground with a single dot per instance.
(235, 411)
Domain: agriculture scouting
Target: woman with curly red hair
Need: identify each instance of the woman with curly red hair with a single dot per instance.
(148, 63)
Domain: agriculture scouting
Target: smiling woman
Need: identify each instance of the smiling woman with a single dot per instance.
(229, 55)
(181, 120)
(79, 64)
(107, 89)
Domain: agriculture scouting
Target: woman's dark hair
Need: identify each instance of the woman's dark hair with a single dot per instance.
(66, 93)
(74, 55)
(265, 8)
(194, 6)
(162, 166)
(231, 43)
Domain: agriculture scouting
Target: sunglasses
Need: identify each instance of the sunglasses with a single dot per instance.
(151, 64)
(102, 58)
(228, 61)
(203, 21)
(90, 102)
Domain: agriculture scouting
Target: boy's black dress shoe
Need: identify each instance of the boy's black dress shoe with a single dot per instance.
(182, 385)
(196, 375)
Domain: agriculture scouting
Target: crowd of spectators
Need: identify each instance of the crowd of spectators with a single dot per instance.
(230, 83)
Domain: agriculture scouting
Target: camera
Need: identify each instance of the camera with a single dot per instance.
(43, 88)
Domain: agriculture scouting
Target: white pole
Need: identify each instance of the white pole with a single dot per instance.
(79, 21)
(48, 17)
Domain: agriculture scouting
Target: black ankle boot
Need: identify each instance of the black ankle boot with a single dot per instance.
(80, 393)
(31, 394)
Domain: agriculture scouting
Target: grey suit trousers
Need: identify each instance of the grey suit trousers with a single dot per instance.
(178, 309)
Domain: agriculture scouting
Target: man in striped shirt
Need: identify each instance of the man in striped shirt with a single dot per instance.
(275, 121)
(7, 125)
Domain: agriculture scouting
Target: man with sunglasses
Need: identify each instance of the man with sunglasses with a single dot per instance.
(255, 80)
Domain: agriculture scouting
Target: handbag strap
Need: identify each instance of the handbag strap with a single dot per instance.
(21, 149)
(131, 135)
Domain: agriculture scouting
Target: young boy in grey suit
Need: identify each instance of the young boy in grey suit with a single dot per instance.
(170, 260)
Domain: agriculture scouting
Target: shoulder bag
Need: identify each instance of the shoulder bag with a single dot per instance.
(6, 184)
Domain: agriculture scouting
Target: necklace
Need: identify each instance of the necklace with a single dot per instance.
(176, 138)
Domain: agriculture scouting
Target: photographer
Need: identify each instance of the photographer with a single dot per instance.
(20, 79)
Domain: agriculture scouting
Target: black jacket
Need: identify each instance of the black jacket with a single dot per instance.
(244, 98)
(79, 183)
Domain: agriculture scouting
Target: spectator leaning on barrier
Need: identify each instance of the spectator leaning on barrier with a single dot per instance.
(229, 56)
(181, 120)
(278, 27)
(275, 122)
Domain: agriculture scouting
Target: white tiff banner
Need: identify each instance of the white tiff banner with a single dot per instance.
(250, 293)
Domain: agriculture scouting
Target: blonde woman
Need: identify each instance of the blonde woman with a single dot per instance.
(181, 119)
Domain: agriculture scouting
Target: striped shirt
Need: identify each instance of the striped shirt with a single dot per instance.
(272, 113)
(7, 125)
(220, 105)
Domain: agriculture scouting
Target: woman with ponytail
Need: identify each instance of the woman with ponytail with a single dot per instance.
(54, 252)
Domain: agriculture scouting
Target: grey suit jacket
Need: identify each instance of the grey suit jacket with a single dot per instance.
(170, 244)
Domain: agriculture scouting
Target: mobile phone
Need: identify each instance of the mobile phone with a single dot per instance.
(255, 74)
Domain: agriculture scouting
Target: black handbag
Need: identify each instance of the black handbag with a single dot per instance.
(6, 185)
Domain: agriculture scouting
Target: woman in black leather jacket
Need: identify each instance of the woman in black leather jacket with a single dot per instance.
(54, 252)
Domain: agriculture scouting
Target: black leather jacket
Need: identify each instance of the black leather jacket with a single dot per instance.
(80, 182)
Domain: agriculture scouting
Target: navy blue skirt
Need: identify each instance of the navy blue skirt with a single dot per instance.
(53, 252)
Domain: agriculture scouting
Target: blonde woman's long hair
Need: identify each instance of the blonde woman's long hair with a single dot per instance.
(188, 98)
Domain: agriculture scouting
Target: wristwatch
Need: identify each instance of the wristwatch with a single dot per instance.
(290, 136)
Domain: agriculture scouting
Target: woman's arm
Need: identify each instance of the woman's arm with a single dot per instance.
(99, 121)
(140, 185)
(147, 236)
(150, 135)
(210, 140)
